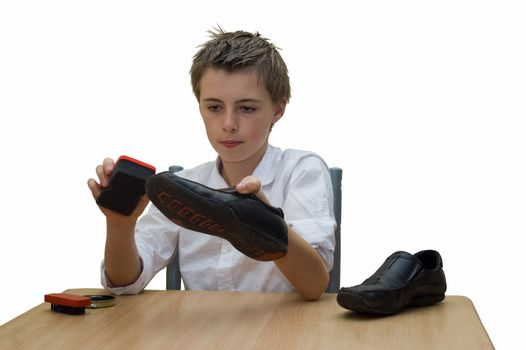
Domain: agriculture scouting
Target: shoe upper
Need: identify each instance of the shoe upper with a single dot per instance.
(400, 269)
(248, 208)
(259, 214)
(403, 279)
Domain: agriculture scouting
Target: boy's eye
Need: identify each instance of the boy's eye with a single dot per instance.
(214, 108)
(247, 109)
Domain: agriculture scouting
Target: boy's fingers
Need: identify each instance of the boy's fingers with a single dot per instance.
(143, 202)
(103, 178)
(108, 165)
(104, 171)
(249, 184)
(94, 188)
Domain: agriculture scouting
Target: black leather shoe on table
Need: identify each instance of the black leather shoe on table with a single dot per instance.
(253, 227)
(403, 280)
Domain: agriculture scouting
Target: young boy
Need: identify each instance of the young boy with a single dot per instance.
(242, 86)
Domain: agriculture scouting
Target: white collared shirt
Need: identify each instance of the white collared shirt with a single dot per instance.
(296, 181)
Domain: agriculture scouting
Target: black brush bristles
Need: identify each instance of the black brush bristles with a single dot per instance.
(68, 303)
(68, 309)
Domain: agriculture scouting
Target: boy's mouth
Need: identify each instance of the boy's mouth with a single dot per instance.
(230, 143)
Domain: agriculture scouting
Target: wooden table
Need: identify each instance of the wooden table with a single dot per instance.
(243, 320)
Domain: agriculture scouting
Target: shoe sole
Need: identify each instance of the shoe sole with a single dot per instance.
(358, 304)
(427, 300)
(192, 210)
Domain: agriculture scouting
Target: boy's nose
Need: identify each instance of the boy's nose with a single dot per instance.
(230, 122)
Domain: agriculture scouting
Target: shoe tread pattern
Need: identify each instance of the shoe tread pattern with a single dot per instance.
(191, 208)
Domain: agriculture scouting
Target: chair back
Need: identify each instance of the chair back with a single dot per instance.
(334, 274)
(173, 273)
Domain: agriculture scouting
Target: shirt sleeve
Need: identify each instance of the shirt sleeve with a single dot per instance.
(308, 206)
(157, 240)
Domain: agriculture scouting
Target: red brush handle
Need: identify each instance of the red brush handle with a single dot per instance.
(136, 161)
(67, 299)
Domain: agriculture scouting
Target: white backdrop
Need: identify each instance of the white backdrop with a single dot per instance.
(421, 103)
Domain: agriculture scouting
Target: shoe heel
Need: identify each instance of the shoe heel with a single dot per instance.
(427, 300)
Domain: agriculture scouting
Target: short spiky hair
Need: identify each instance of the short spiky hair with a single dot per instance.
(237, 51)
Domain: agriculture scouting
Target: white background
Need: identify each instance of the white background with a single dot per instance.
(421, 103)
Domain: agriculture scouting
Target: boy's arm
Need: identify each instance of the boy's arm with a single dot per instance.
(302, 265)
(121, 258)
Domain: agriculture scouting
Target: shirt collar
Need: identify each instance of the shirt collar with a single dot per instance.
(265, 171)
(216, 175)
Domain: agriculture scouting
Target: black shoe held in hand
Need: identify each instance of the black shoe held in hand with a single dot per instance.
(403, 280)
(250, 225)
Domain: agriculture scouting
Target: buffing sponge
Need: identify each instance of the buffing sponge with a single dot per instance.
(126, 185)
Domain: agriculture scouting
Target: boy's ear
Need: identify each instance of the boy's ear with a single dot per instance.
(280, 110)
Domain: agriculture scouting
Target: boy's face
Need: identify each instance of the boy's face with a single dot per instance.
(238, 113)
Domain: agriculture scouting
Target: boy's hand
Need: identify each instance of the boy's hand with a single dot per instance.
(104, 172)
(252, 185)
